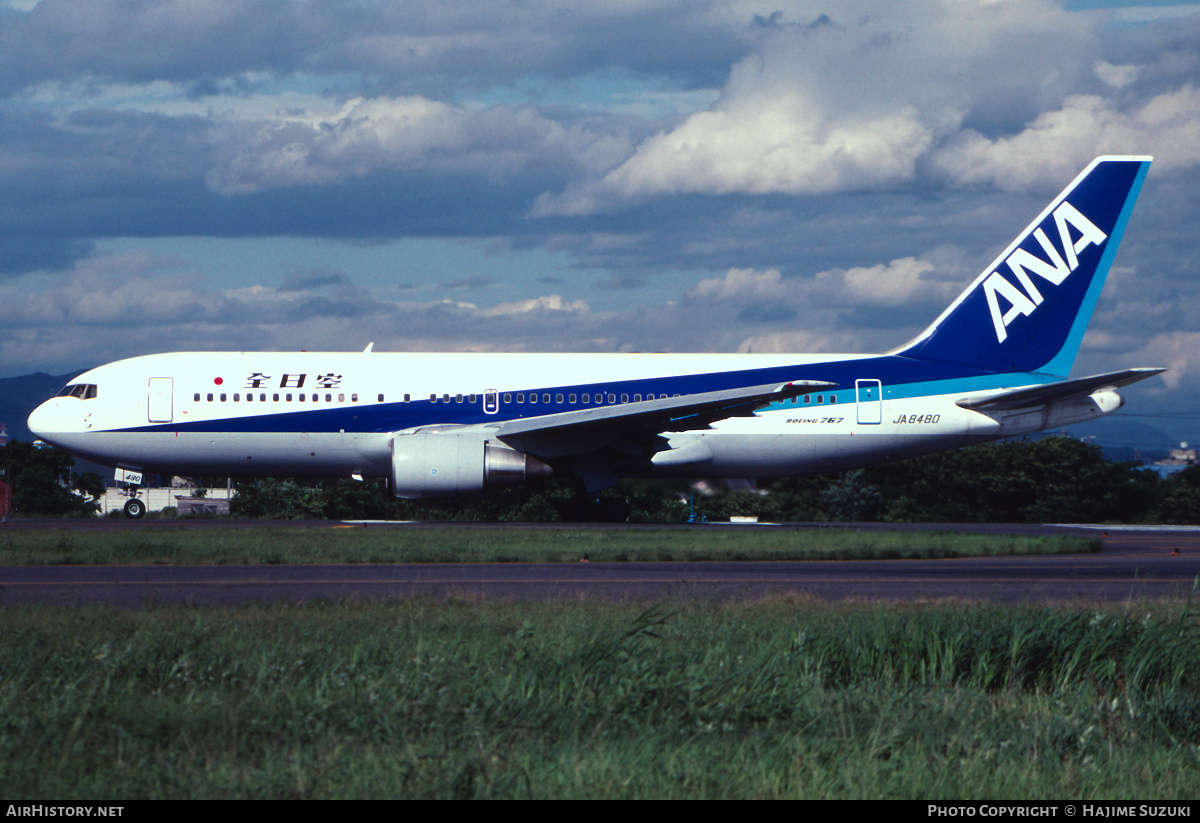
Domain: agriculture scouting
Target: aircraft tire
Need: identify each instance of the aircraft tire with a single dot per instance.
(135, 508)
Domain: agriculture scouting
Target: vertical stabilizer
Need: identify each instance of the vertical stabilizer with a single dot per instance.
(1028, 311)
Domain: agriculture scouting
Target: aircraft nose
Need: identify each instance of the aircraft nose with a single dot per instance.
(48, 420)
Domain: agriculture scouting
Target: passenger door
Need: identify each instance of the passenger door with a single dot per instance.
(870, 401)
(160, 402)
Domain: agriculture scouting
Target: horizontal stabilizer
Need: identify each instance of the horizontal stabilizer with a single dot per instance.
(578, 432)
(1051, 392)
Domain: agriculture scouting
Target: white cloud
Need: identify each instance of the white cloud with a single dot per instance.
(903, 281)
(742, 286)
(1175, 350)
(785, 146)
(852, 100)
(413, 134)
(899, 282)
(1117, 76)
(1058, 144)
(549, 303)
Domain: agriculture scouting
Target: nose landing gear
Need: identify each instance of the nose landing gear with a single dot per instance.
(134, 508)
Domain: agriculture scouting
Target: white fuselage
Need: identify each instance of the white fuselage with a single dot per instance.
(335, 414)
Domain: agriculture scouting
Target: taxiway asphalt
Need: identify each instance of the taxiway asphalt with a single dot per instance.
(1134, 563)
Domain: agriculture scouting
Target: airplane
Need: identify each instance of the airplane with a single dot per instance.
(993, 365)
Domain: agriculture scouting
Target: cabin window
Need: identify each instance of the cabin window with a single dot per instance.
(196, 397)
(612, 398)
(807, 399)
(236, 397)
(508, 398)
(587, 398)
(470, 398)
(833, 398)
(624, 398)
(354, 398)
(210, 398)
(637, 398)
(379, 398)
(458, 398)
(573, 396)
(520, 397)
(546, 397)
(275, 397)
(249, 397)
(820, 399)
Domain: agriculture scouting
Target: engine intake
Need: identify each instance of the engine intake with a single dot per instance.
(430, 464)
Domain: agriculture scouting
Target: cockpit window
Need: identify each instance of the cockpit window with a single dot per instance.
(84, 391)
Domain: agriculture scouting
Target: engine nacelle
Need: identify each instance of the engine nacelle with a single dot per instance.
(1061, 413)
(446, 463)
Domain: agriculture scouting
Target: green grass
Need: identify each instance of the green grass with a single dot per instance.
(453, 545)
(783, 698)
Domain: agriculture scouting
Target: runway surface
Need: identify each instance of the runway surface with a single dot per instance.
(1133, 564)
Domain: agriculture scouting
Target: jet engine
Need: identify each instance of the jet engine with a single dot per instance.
(429, 463)
(1060, 413)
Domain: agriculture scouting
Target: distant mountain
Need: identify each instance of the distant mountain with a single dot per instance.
(1127, 438)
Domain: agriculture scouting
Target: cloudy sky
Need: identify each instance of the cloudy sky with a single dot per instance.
(642, 175)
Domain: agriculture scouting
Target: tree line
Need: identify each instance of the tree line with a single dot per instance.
(44, 482)
(1052, 479)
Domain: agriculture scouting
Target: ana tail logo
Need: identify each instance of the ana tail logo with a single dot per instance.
(1054, 268)
(1040, 292)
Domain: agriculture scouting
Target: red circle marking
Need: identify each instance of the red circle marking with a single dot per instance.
(219, 380)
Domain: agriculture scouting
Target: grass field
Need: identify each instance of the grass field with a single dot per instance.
(783, 698)
(355, 544)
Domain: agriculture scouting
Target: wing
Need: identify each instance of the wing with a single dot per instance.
(1050, 392)
(575, 433)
